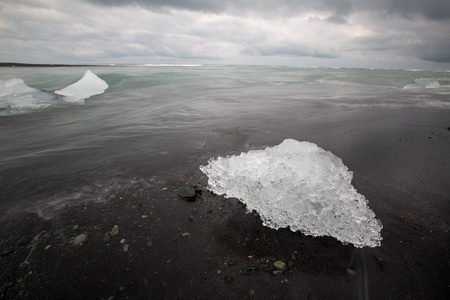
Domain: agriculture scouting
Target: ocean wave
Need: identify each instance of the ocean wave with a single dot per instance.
(422, 84)
(170, 65)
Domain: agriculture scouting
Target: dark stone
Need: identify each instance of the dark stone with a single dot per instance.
(264, 266)
(251, 270)
(448, 128)
(233, 201)
(290, 264)
(228, 279)
(187, 192)
(107, 237)
(191, 218)
(198, 190)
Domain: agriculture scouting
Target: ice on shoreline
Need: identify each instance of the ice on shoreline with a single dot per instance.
(89, 85)
(297, 185)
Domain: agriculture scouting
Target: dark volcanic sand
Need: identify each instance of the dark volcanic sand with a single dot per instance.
(403, 173)
(223, 240)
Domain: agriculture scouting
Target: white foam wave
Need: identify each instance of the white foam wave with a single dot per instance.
(171, 65)
(297, 185)
(422, 84)
(89, 85)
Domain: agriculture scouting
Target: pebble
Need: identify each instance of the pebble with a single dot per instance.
(233, 201)
(276, 272)
(187, 192)
(125, 247)
(191, 218)
(264, 266)
(107, 237)
(76, 227)
(219, 272)
(228, 279)
(48, 247)
(144, 216)
(115, 231)
(80, 239)
(251, 270)
(149, 244)
(279, 265)
(122, 241)
(185, 234)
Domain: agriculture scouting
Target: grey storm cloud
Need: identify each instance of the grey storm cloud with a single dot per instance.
(429, 9)
(327, 32)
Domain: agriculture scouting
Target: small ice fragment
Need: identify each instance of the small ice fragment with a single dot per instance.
(297, 185)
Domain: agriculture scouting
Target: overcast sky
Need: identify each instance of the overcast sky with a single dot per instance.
(411, 34)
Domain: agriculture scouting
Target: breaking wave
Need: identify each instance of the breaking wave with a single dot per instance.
(422, 84)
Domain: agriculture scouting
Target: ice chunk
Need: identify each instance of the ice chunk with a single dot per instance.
(14, 86)
(89, 85)
(297, 185)
(422, 84)
(16, 96)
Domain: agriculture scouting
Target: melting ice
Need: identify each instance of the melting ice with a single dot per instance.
(297, 185)
(16, 96)
(89, 85)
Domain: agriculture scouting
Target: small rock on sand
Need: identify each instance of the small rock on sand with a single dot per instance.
(187, 193)
(115, 231)
(279, 265)
(107, 237)
(80, 239)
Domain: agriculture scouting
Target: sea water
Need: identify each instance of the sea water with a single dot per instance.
(160, 120)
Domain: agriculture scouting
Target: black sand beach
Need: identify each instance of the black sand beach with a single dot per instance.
(210, 248)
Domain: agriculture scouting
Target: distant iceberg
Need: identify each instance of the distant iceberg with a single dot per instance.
(297, 185)
(89, 85)
(422, 84)
(16, 96)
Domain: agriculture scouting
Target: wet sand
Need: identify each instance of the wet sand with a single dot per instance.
(211, 248)
(205, 249)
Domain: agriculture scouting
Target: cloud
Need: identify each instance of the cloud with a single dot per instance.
(286, 31)
(430, 9)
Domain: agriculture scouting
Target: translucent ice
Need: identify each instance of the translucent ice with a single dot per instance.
(14, 86)
(297, 185)
(422, 84)
(89, 85)
(16, 96)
